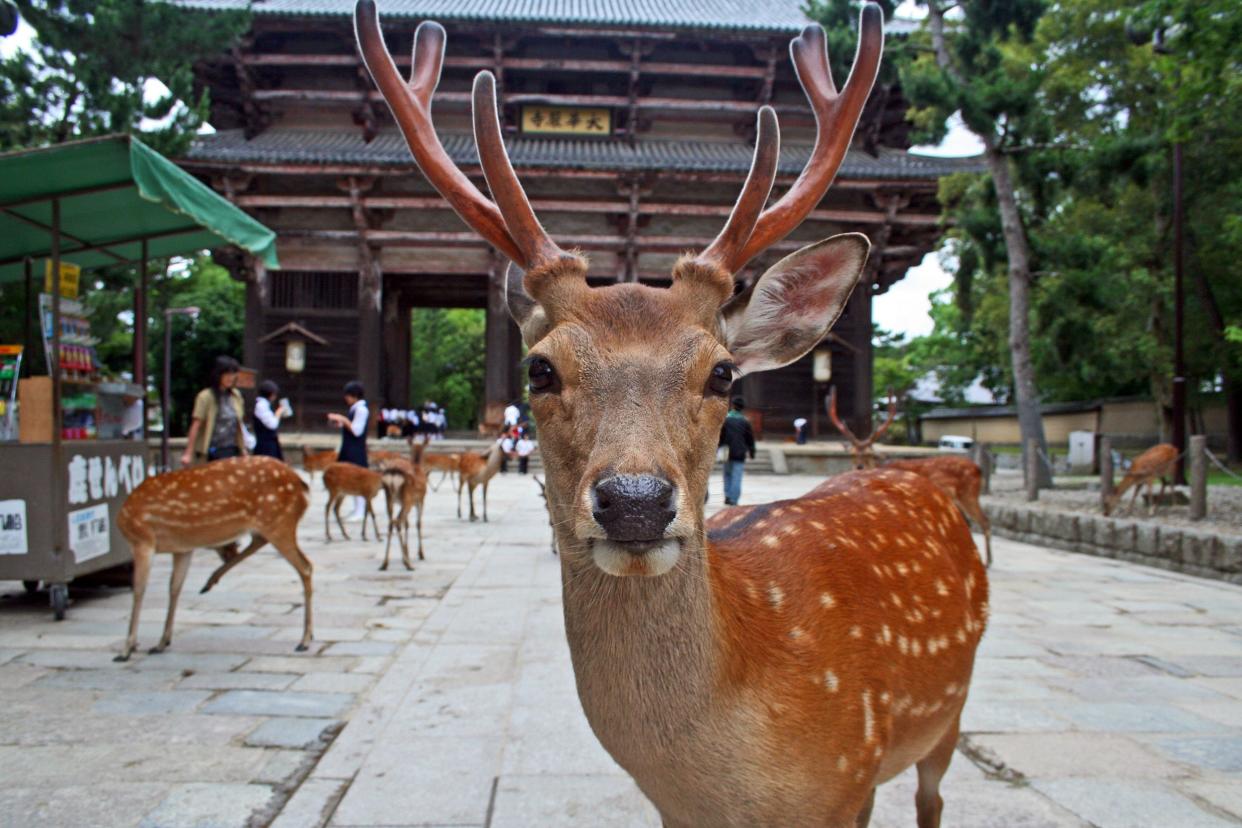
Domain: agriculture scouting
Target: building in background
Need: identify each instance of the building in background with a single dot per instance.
(631, 126)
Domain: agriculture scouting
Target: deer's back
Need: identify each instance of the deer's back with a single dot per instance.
(213, 504)
(859, 607)
(959, 476)
(350, 479)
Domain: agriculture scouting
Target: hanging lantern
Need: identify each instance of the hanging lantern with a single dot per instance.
(295, 355)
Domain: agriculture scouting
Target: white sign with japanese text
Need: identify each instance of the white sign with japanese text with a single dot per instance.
(88, 532)
(13, 527)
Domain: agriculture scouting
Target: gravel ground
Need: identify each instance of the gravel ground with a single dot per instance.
(1083, 495)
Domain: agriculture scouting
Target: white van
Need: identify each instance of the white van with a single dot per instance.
(956, 444)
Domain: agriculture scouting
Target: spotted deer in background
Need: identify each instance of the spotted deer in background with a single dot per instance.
(862, 450)
(769, 671)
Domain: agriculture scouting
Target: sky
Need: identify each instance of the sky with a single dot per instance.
(904, 308)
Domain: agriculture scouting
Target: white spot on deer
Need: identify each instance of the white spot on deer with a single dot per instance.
(887, 634)
(855, 631)
(916, 647)
(817, 526)
(842, 763)
(826, 600)
(776, 596)
(831, 681)
(951, 690)
(902, 569)
(868, 718)
(941, 588)
(796, 633)
(896, 599)
(903, 645)
(771, 540)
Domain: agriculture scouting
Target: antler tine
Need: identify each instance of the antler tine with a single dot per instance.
(754, 195)
(836, 117)
(892, 415)
(836, 420)
(411, 107)
(524, 228)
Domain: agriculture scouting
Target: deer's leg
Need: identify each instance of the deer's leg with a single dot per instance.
(864, 816)
(485, 482)
(287, 544)
(388, 545)
(327, 518)
(1163, 485)
(374, 523)
(142, 571)
(473, 516)
(257, 542)
(340, 523)
(461, 481)
(181, 566)
(1134, 498)
(931, 768)
(418, 525)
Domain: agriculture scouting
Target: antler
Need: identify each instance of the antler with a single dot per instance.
(892, 415)
(741, 224)
(836, 117)
(836, 420)
(509, 224)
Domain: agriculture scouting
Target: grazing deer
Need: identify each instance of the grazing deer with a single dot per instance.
(405, 486)
(543, 494)
(1159, 461)
(475, 470)
(864, 454)
(342, 480)
(771, 671)
(213, 505)
(316, 461)
(961, 480)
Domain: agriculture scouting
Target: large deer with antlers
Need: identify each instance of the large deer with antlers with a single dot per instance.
(212, 506)
(775, 670)
(862, 450)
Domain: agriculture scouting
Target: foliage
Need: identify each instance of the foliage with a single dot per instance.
(447, 361)
(88, 67)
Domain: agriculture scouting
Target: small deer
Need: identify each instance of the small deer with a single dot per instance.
(771, 671)
(213, 505)
(446, 463)
(543, 494)
(342, 480)
(405, 486)
(864, 455)
(961, 480)
(1159, 461)
(316, 461)
(475, 470)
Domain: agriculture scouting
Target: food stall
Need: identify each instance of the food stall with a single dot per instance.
(64, 210)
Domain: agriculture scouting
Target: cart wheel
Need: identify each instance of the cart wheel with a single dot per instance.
(60, 600)
(31, 587)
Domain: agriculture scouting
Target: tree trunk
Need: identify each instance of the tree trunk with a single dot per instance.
(1232, 388)
(1030, 423)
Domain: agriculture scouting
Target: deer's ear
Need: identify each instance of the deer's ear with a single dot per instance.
(791, 307)
(526, 312)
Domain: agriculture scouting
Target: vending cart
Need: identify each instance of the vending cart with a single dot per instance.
(65, 210)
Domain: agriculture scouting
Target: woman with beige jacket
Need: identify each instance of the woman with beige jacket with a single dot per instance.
(217, 429)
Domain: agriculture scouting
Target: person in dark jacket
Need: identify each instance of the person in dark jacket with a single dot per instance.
(267, 415)
(353, 427)
(737, 434)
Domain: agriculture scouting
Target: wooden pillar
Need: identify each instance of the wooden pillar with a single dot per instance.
(1106, 470)
(370, 324)
(255, 278)
(501, 383)
(396, 335)
(861, 413)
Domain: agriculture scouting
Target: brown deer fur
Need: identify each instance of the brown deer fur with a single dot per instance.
(474, 471)
(342, 480)
(1159, 461)
(961, 479)
(405, 488)
(213, 505)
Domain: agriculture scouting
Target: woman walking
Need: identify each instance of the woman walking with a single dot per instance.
(267, 421)
(217, 431)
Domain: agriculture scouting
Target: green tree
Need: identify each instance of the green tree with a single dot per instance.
(87, 71)
(447, 361)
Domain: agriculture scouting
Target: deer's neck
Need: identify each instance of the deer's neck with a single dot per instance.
(644, 654)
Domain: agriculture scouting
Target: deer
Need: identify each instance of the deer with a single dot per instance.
(405, 486)
(446, 463)
(770, 671)
(961, 479)
(864, 455)
(1159, 461)
(474, 471)
(342, 480)
(213, 505)
(316, 461)
(543, 495)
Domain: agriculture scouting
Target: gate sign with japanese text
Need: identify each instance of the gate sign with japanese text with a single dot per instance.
(563, 120)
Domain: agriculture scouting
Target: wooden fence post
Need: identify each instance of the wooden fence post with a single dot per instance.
(1106, 470)
(1198, 477)
(1032, 470)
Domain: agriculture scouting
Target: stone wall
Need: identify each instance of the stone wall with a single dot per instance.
(1181, 549)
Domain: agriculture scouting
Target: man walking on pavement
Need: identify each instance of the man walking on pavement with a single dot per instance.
(740, 439)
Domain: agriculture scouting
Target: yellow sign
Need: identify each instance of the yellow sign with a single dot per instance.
(69, 275)
(566, 120)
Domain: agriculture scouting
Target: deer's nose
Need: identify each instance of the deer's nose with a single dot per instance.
(633, 507)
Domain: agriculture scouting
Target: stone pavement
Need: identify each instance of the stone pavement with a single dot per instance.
(1106, 694)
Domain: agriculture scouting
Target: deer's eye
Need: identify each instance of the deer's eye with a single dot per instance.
(721, 379)
(542, 376)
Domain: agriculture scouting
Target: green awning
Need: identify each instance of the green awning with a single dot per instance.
(114, 192)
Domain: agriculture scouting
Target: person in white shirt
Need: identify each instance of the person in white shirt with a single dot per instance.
(353, 435)
(267, 421)
(524, 447)
(512, 413)
(508, 449)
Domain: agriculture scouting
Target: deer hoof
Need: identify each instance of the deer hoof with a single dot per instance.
(156, 650)
(301, 648)
(122, 658)
(408, 567)
(383, 567)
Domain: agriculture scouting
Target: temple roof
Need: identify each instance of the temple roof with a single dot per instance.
(726, 15)
(301, 146)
